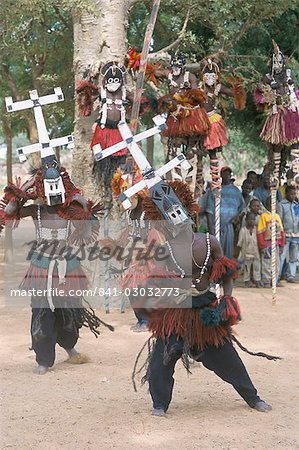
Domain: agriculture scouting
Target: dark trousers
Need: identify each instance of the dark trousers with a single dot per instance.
(51, 331)
(224, 361)
(140, 313)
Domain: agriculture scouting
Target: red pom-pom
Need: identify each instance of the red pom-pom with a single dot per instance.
(231, 312)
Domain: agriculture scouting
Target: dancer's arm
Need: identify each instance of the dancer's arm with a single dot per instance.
(217, 258)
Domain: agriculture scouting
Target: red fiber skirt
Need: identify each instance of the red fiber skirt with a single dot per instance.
(217, 136)
(281, 128)
(193, 122)
(186, 324)
(107, 137)
(36, 278)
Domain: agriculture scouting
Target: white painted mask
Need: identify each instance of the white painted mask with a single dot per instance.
(210, 78)
(54, 189)
(277, 63)
(113, 84)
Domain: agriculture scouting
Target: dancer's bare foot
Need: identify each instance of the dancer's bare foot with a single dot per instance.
(40, 370)
(72, 352)
(76, 357)
(262, 406)
(158, 412)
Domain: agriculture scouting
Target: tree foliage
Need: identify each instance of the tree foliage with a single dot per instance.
(36, 52)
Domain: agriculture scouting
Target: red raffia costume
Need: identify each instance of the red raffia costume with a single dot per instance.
(277, 96)
(113, 103)
(187, 121)
(213, 88)
(54, 268)
(217, 135)
(186, 323)
(200, 330)
(186, 117)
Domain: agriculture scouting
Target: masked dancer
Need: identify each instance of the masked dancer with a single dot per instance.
(63, 218)
(113, 101)
(198, 325)
(187, 121)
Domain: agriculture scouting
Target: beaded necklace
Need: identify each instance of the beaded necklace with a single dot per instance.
(183, 273)
(48, 234)
(202, 268)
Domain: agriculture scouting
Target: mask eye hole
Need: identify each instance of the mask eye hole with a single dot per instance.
(116, 80)
(110, 80)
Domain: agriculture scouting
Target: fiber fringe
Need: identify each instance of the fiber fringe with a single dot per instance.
(260, 354)
(224, 269)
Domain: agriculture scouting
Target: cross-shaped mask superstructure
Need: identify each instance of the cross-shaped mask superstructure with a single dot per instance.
(161, 192)
(53, 185)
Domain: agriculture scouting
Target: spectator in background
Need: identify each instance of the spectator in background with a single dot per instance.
(246, 191)
(231, 205)
(253, 177)
(289, 182)
(289, 213)
(247, 188)
(202, 203)
(264, 242)
(249, 252)
(262, 192)
(254, 207)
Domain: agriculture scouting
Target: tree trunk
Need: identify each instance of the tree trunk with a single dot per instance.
(34, 158)
(8, 247)
(150, 150)
(98, 39)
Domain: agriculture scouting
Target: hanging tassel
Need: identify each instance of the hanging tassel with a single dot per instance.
(210, 317)
(260, 354)
(90, 320)
(86, 95)
(226, 313)
(230, 310)
(150, 344)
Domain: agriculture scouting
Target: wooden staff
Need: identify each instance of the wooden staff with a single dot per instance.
(107, 265)
(274, 186)
(273, 242)
(295, 167)
(216, 189)
(142, 67)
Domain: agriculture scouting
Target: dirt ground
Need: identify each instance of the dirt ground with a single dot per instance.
(94, 406)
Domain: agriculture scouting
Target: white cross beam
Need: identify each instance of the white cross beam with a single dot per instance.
(45, 145)
(160, 125)
(150, 175)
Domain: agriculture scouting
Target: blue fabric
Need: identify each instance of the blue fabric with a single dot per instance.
(291, 248)
(262, 194)
(43, 262)
(231, 205)
(289, 214)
